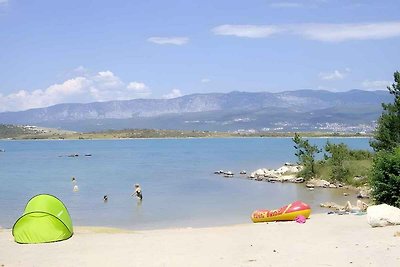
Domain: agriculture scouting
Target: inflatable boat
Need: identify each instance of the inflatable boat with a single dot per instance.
(286, 213)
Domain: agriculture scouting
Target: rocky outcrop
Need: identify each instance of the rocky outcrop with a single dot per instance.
(364, 192)
(286, 173)
(318, 183)
(227, 174)
(322, 183)
(383, 215)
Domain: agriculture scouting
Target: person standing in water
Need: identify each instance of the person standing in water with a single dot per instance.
(138, 192)
(75, 188)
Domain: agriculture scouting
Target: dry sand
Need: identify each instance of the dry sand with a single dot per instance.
(324, 240)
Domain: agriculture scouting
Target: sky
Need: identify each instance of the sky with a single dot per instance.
(93, 50)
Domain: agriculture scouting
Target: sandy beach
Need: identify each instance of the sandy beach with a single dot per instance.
(324, 240)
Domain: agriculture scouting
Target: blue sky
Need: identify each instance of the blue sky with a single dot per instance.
(83, 51)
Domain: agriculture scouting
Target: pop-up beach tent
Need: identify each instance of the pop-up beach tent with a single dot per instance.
(45, 219)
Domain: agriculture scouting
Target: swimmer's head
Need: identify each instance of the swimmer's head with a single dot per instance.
(136, 185)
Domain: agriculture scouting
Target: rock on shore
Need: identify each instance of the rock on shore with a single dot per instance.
(286, 173)
(383, 215)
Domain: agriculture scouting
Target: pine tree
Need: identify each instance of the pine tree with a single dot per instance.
(387, 135)
(305, 152)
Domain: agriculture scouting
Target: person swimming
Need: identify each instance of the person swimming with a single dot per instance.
(105, 198)
(138, 192)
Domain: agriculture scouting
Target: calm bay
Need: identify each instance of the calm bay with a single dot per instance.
(176, 175)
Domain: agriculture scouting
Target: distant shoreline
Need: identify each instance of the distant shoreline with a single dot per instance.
(54, 134)
(176, 138)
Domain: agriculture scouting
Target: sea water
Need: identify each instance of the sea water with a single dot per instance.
(177, 178)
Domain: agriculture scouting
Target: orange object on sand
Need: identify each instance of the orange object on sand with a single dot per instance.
(286, 213)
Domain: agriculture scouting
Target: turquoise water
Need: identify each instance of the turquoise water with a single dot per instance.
(176, 175)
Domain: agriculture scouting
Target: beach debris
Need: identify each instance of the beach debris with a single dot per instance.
(309, 185)
(300, 219)
(345, 194)
(383, 215)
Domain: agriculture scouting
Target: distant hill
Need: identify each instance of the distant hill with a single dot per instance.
(285, 111)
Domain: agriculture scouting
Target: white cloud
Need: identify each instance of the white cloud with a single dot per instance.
(54, 94)
(332, 76)
(169, 40)
(101, 86)
(136, 86)
(81, 70)
(139, 88)
(285, 5)
(205, 80)
(318, 32)
(346, 32)
(107, 80)
(249, 31)
(173, 94)
(375, 85)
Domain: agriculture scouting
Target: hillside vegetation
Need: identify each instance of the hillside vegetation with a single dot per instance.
(340, 164)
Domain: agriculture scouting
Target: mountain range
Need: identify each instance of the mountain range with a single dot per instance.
(301, 110)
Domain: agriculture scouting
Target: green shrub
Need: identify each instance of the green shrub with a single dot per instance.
(385, 177)
(360, 154)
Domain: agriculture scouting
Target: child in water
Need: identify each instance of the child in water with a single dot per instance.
(138, 192)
